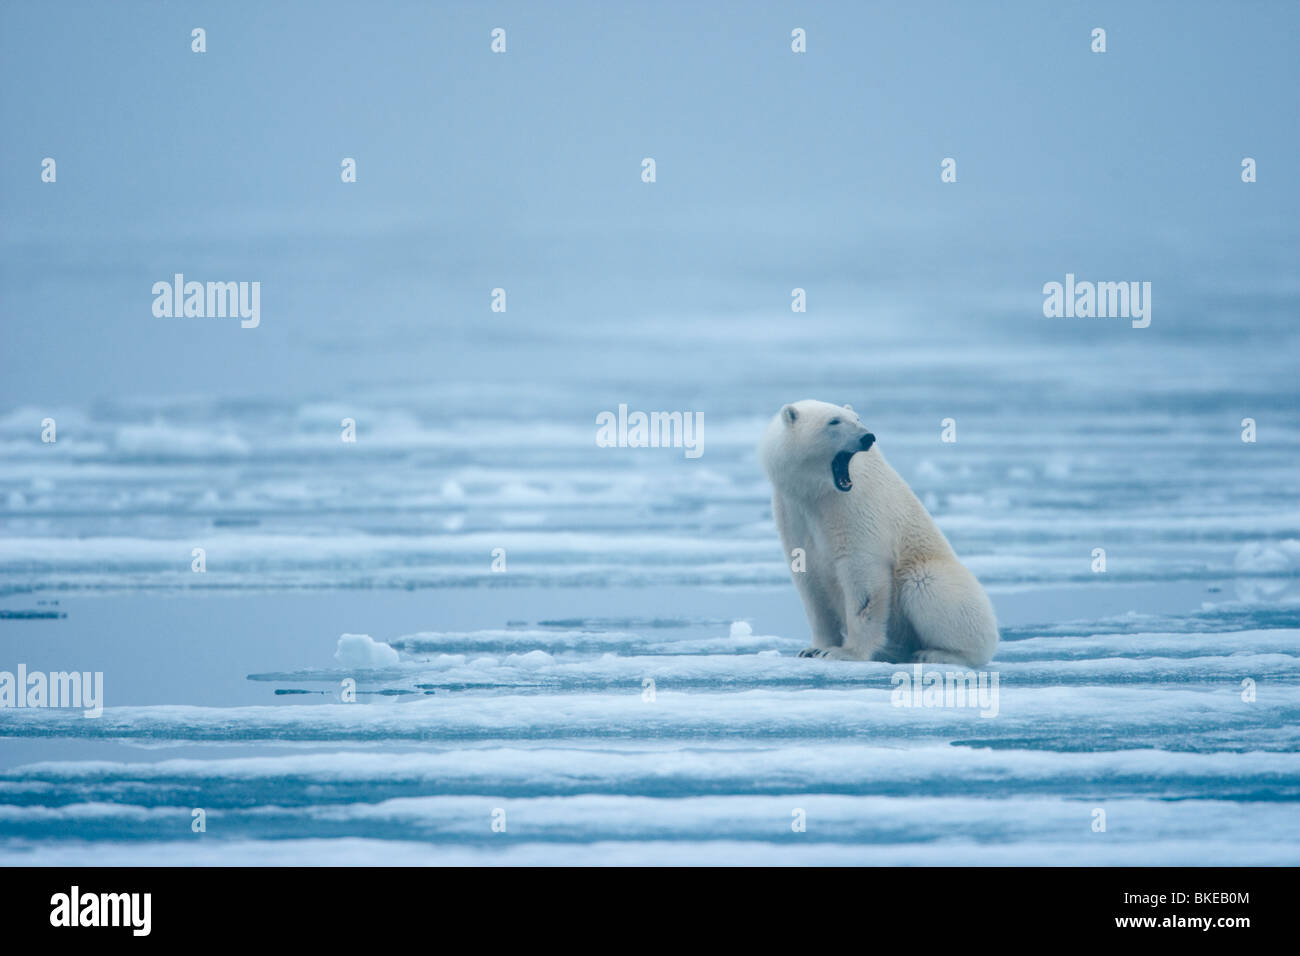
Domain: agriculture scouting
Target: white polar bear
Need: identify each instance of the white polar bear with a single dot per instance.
(880, 581)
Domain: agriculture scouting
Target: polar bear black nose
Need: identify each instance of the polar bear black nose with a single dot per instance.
(866, 441)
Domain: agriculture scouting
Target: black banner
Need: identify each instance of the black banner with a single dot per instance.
(333, 905)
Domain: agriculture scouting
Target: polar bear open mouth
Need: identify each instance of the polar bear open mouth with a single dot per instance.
(840, 470)
(840, 463)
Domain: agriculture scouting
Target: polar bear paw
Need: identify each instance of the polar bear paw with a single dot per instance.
(815, 652)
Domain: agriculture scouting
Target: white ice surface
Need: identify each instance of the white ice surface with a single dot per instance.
(1135, 706)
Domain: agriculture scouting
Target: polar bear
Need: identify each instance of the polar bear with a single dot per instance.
(879, 580)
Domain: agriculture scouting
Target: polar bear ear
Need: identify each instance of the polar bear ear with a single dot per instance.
(788, 414)
(848, 408)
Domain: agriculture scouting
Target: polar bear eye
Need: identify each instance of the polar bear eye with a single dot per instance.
(833, 421)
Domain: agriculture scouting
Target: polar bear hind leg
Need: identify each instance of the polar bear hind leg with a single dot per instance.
(949, 613)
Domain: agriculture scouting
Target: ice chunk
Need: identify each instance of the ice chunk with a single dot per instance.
(361, 650)
(1268, 557)
(532, 660)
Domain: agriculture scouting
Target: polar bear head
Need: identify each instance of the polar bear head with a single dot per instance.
(808, 444)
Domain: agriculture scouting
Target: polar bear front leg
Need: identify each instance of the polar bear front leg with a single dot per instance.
(866, 615)
(820, 602)
(866, 630)
(814, 578)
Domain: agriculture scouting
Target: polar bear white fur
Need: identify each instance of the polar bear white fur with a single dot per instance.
(880, 581)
